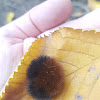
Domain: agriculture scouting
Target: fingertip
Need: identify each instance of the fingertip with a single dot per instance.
(51, 14)
(41, 18)
(45, 16)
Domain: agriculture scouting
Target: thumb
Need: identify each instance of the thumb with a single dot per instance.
(27, 43)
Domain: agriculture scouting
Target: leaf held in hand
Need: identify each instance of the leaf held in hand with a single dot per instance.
(77, 51)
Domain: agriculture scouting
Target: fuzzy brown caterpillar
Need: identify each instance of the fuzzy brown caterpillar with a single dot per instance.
(45, 78)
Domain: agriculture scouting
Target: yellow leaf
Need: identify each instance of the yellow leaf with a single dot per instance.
(79, 53)
(10, 16)
(93, 4)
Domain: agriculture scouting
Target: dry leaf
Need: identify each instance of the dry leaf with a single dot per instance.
(78, 14)
(93, 4)
(79, 53)
(10, 16)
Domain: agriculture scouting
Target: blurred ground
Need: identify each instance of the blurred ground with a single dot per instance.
(19, 7)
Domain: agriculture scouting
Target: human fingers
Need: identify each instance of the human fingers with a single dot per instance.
(39, 19)
(89, 21)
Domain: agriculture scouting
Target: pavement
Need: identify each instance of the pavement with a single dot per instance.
(19, 7)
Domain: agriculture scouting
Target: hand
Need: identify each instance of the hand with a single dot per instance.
(16, 37)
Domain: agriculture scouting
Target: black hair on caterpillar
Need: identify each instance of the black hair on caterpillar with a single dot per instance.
(45, 77)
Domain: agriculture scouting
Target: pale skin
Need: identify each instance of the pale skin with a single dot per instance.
(16, 37)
